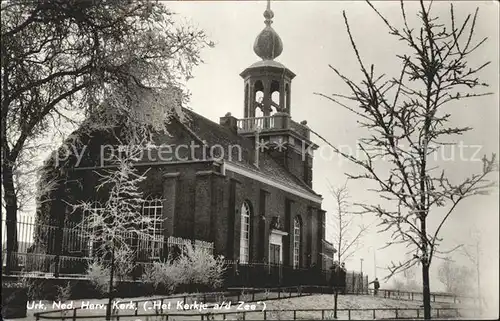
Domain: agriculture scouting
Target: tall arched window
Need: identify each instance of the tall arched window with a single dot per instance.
(153, 208)
(245, 233)
(90, 220)
(296, 242)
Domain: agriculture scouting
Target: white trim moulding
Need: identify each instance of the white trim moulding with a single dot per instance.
(274, 183)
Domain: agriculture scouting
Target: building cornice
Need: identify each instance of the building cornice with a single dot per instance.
(263, 179)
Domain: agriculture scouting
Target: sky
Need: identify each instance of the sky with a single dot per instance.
(314, 37)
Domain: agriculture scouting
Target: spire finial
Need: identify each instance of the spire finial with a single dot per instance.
(268, 14)
(268, 44)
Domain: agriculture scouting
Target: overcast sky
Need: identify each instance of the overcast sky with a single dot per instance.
(314, 36)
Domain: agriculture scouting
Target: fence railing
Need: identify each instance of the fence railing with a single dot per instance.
(69, 248)
(272, 275)
(418, 296)
(162, 309)
(274, 122)
(159, 304)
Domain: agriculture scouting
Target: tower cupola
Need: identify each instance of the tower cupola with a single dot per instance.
(267, 107)
(267, 82)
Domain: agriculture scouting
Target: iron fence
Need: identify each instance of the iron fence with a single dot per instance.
(273, 275)
(70, 248)
(418, 296)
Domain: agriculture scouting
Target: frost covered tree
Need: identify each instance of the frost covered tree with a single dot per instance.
(62, 59)
(457, 279)
(347, 238)
(115, 227)
(407, 122)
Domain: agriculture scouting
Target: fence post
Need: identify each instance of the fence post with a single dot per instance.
(74, 314)
(373, 314)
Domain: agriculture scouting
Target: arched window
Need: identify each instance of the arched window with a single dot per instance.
(247, 107)
(287, 98)
(153, 208)
(258, 100)
(245, 233)
(296, 242)
(90, 222)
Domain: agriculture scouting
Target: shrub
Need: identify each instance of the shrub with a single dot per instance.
(162, 274)
(199, 267)
(99, 275)
(196, 267)
(36, 287)
(63, 292)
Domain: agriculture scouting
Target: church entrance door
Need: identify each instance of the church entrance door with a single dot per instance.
(274, 254)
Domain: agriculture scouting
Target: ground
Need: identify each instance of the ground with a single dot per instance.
(317, 302)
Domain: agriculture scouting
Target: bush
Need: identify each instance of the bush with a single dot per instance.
(36, 287)
(99, 275)
(163, 275)
(63, 292)
(199, 267)
(195, 268)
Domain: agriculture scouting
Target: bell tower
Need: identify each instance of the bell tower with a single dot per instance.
(267, 106)
(267, 82)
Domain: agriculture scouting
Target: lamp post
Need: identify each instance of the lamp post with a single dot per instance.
(361, 260)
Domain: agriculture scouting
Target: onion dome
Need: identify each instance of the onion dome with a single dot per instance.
(268, 44)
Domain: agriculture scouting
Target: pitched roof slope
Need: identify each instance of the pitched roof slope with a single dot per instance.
(215, 134)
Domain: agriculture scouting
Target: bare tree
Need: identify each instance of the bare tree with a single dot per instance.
(457, 279)
(406, 280)
(116, 227)
(407, 123)
(473, 252)
(347, 237)
(62, 58)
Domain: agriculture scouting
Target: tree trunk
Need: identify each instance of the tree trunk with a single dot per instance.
(335, 303)
(10, 199)
(110, 295)
(426, 291)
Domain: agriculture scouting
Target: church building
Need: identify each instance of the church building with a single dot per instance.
(255, 202)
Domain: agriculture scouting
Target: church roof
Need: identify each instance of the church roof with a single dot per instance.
(215, 134)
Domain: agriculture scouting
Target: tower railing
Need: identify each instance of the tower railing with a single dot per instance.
(273, 122)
